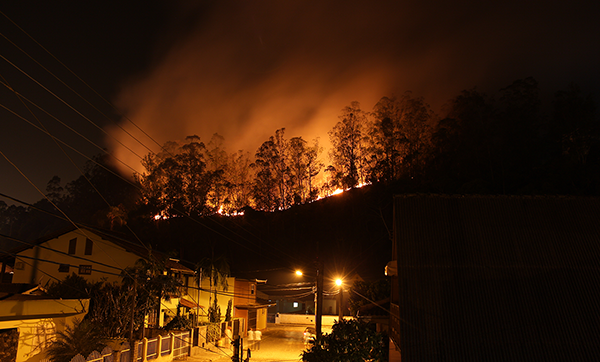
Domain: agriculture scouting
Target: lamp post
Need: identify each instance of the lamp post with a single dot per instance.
(318, 290)
(319, 298)
(340, 283)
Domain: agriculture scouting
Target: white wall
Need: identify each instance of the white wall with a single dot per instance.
(304, 319)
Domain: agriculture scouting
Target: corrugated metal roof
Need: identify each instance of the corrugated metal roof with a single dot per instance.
(498, 278)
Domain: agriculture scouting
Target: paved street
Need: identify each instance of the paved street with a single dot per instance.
(279, 343)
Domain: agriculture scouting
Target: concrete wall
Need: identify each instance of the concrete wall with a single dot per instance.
(303, 319)
(37, 322)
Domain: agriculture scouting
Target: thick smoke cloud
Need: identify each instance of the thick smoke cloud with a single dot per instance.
(245, 69)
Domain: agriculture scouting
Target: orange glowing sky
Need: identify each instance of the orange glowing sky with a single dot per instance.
(246, 68)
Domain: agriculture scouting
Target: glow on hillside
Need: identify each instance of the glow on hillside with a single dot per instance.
(221, 210)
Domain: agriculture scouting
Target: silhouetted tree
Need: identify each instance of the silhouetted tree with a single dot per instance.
(273, 179)
(238, 176)
(217, 164)
(151, 282)
(91, 197)
(375, 292)
(217, 270)
(83, 338)
(464, 144)
(176, 181)
(400, 137)
(304, 166)
(347, 147)
(350, 340)
(518, 120)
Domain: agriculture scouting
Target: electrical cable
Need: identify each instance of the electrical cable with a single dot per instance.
(80, 96)
(69, 106)
(60, 252)
(43, 129)
(66, 144)
(80, 79)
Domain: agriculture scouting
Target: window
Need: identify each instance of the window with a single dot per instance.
(88, 246)
(72, 246)
(296, 304)
(63, 268)
(85, 269)
(252, 289)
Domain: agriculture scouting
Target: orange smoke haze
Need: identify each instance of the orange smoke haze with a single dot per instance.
(244, 72)
(245, 69)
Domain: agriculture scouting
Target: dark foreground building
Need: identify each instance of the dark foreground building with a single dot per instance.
(496, 278)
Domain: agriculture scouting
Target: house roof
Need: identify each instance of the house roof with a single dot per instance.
(189, 304)
(22, 291)
(260, 303)
(502, 278)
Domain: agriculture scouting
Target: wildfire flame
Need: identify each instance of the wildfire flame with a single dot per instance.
(221, 210)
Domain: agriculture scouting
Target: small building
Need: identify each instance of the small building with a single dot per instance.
(29, 321)
(248, 306)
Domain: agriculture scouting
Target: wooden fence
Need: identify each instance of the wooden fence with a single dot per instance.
(169, 347)
(174, 345)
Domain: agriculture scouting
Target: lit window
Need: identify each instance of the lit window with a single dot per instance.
(88, 246)
(63, 268)
(72, 246)
(296, 304)
(85, 269)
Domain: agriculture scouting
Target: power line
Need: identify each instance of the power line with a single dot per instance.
(19, 95)
(64, 143)
(80, 96)
(68, 105)
(80, 79)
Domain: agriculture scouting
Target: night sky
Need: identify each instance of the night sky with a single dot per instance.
(246, 68)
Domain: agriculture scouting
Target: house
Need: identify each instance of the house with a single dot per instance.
(95, 255)
(248, 306)
(29, 320)
(493, 278)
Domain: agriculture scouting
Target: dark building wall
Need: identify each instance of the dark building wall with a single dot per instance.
(498, 278)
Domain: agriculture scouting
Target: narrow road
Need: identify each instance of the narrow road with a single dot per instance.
(280, 343)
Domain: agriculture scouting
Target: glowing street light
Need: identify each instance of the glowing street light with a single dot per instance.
(338, 282)
(299, 273)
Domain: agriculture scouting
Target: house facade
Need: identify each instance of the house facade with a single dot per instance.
(247, 306)
(29, 324)
(95, 256)
(83, 251)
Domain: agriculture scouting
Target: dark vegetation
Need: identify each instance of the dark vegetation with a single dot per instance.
(350, 340)
(507, 144)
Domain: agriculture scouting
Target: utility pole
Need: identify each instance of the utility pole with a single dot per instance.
(132, 346)
(319, 298)
(341, 309)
